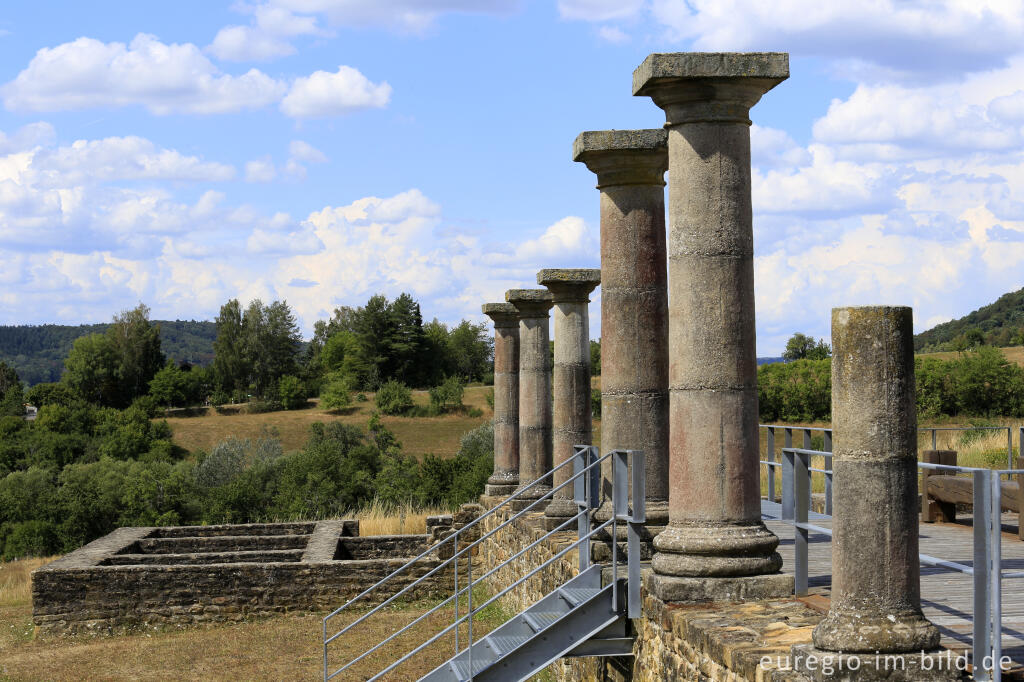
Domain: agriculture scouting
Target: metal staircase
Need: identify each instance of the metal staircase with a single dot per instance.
(586, 616)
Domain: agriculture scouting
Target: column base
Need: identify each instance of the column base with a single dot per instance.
(716, 550)
(882, 630)
(671, 588)
(492, 490)
(531, 496)
(558, 512)
(819, 665)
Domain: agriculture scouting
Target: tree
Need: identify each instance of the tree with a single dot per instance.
(471, 349)
(91, 369)
(169, 386)
(291, 392)
(136, 343)
(336, 392)
(230, 361)
(802, 347)
(12, 398)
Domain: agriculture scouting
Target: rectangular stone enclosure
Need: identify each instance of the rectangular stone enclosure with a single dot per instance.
(189, 574)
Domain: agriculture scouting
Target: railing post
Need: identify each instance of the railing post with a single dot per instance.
(933, 440)
(788, 491)
(828, 467)
(636, 521)
(802, 480)
(455, 558)
(620, 512)
(982, 639)
(996, 575)
(1009, 447)
(469, 611)
(581, 496)
(770, 446)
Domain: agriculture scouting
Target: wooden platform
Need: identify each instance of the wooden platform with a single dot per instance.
(947, 596)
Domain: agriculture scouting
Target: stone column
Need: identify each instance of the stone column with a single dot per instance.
(876, 582)
(715, 539)
(630, 167)
(534, 389)
(573, 420)
(505, 478)
(876, 589)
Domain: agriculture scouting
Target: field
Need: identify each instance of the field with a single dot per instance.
(281, 648)
(1012, 353)
(419, 435)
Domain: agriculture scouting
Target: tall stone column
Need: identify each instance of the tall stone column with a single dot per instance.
(533, 306)
(715, 539)
(505, 479)
(573, 420)
(876, 583)
(630, 167)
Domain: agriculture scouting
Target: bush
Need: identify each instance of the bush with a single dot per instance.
(336, 393)
(262, 406)
(595, 403)
(291, 392)
(795, 391)
(393, 398)
(361, 397)
(447, 396)
(489, 397)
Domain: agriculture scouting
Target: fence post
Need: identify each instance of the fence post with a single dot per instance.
(827, 433)
(1020, 498)
(996, 574)
(788, 491)
(636, 521)
(802, 480)
(620, 512)
(982, 637)
(581, 496)
(771, 458)
(933, 440)
(1009, 447)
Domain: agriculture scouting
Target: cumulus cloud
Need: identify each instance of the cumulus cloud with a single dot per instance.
(599, 10)
(266, 37)
(413, 16)
(260, 170)
(303, 151)
(163, 78)
(331, 94)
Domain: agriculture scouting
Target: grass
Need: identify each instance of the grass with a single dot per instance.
(1012, 353)
(381, 518)
(284, 647)
(419, 435)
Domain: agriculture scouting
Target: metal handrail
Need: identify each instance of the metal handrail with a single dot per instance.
(453, 558)
(590, 491)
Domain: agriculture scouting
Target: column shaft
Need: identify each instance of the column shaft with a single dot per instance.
(876, 588)
(505, 478)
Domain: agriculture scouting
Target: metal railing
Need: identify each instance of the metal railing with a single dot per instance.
(627, 474)
(986, 568)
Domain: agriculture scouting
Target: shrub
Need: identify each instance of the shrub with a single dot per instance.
(489, 397)
(393, 398)
(336, 393)
(291, 392)
(795, 391)
(361, 397)
(595, 402)
(447, 396)
(262, 406)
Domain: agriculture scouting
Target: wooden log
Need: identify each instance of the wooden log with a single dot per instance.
(932, 508)
(955, 490)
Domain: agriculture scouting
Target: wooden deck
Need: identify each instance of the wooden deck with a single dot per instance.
(947, 596)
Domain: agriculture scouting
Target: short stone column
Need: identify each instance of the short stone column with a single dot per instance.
(505, 478)
(876, 589)
(630, 167)
(533, 306)
(573, 419)
(715, 541)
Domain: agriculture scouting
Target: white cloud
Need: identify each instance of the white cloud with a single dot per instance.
(175, 78)
(267, 37)
(324, 94)
(570, 236)
(303, 151)
(613, 34)
(414, 16)
(260, 170)
(599, 10)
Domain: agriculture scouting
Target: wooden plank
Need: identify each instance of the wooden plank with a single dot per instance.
(957, 490)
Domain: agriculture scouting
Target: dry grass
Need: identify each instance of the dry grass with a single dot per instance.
(382, 518)
(419, 435)
(1012, 353)
(277, 648)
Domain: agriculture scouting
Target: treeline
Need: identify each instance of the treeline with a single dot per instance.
(79, 471)
(37, 352)
(978, 383)
(998, 324)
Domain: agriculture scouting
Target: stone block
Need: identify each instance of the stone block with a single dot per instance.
(719, 589)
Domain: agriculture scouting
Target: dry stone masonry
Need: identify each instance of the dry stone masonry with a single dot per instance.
(630, 167)
(505, 478)
(573, 421)
(715, 545)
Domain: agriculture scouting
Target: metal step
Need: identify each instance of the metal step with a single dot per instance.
(576, 596)
(542, 620)
(503, 644)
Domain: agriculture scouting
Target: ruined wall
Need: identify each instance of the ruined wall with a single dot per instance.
(150, 576)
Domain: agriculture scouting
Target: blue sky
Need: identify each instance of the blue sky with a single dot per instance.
(321, 151)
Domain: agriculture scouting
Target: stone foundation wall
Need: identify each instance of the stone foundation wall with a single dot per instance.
(150, 576)
(712, 643)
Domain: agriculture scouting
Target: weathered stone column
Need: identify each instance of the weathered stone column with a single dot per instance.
(876, 589)
(534, 389)
(573, 420)
(715, 538)
(876, 581)
(505, 478)
(630, 167)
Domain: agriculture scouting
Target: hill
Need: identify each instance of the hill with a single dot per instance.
(1000, 324)
(37, 352)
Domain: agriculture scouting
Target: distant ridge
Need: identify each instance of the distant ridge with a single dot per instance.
(1001, 324)
(37, 352)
